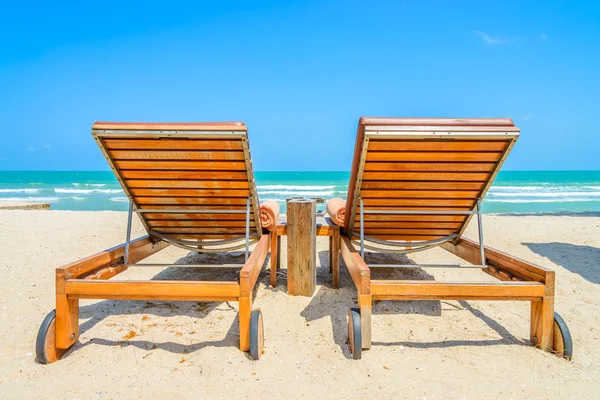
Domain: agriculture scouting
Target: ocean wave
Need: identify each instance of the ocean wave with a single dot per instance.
(493, 188)
(299, 193)
(558, 200)
(78, 198)
(86, 191)
(89, 184)
(295, 187)
(120, 199)
(29, 199)
(19, 190)
(547, 194)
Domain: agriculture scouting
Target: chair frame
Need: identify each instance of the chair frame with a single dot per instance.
(517, 279)
(91, 277)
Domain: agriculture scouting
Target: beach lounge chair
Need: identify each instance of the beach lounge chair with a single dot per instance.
(193, 187)
(414, 185)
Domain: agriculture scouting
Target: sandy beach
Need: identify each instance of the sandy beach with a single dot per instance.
(421, 349)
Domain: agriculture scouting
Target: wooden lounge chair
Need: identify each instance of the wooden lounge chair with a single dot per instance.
(415, 184)
(193, 187)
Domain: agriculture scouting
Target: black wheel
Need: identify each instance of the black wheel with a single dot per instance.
(45, 343)
(563, 343)
(257, 334)
(354, 333)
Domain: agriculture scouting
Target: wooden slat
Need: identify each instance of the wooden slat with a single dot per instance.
(172, 144)
(433, 156)
(417, 202)
(410, 185)
(167, 184)
(412, 231)
(205, 236)
(198, 217)
(182, 175)
(213, 229)
(437, 145)
(216, 201)
(413, 218)
(427, 208)
(194, 223)
(402, 224)
(424, 177)
(460, 123)
(170, 126)
(183, 165)
(198, 207)
(427, 194)
(425, 290)
(176, 155)
(416, 237)
(190, 192)
(429, 166)
(153, 290)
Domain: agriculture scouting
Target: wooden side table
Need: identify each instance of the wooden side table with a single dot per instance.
(325, 227)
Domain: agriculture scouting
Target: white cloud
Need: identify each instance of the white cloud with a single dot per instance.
(31, 148)
(543, 36)
(527, 117)
(47, 146)
(491, 40)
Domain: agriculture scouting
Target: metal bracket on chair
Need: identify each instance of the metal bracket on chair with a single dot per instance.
(247, 229)
(128, 235)
(414, 246)
(192, 245)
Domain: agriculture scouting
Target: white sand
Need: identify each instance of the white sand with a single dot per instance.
(433, 350)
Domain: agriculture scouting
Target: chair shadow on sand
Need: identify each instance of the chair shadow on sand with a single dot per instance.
(570, 257)
(97, 312)
(346, 297)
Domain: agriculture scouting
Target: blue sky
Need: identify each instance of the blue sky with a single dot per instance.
(299, 74)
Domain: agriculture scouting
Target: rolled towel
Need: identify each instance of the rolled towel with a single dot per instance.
(336, 208)
(269, 211)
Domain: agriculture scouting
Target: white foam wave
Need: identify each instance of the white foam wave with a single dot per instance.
(547, 194)
(86, 191)
(558, 200)
(119, 199)
(299, 193)
(89, 184)
(502, 188)
(28, 199)
(295, 187)
(19, 190)
(78, 198)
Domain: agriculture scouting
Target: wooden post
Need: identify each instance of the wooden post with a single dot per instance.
(302, 244)
(274, 257)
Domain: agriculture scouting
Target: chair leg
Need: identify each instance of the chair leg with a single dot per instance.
(274, 257)
(365, 302)
(542, 323)
(335, 259)
(67, 321)
(244, 319)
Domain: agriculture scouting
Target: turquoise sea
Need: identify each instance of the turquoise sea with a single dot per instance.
(512, 191)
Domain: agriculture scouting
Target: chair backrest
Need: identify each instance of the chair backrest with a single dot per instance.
(423, 164)
(195, 166)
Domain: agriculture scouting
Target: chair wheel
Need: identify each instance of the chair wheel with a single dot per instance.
(257, 335)
(563, 343)
(354, 333)
(45, 343)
